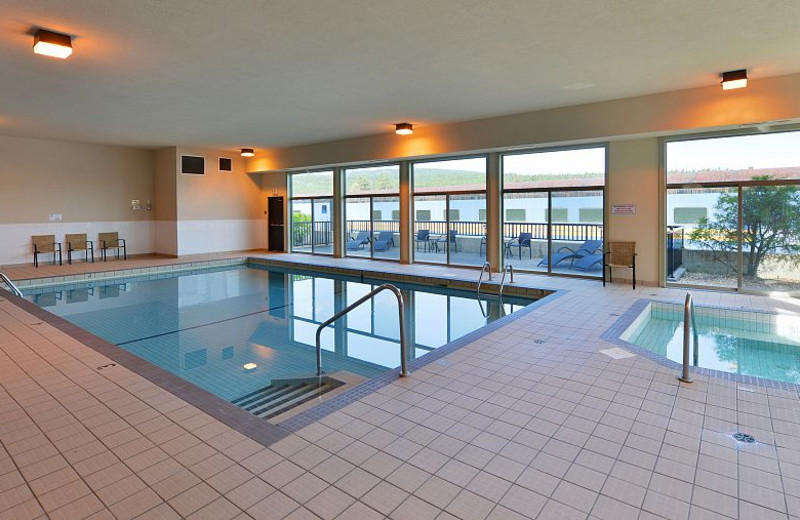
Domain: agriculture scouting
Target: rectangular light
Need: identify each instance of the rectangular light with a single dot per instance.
(48, 43)
(249, 366)
(734, 79)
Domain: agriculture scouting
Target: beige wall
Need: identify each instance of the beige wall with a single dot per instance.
(633, 178)
(82, 182)
(217, 195)
(165, 184)
(765, 99)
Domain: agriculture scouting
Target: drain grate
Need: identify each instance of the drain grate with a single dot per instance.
(538, 341)
(744, 437)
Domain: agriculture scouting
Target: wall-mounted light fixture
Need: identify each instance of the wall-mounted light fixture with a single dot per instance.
(734, 79)
(48, 43)
(248, 152)
(403, 129)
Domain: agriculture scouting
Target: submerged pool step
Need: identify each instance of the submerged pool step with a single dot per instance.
(283, 395)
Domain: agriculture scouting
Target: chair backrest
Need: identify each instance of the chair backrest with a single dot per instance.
(453, 235)
(76, 241)
(111, 239)
(423, 234)
(385, 236)
(362, 236)
(621, 253)
(525, 239)
(44, 243)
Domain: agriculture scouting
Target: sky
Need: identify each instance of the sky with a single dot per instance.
(736, 152)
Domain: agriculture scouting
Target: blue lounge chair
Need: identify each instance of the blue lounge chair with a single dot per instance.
(587, 262)
(358, 242)
(523, 240)
(423, 237)
(590, 247)
(384, 240)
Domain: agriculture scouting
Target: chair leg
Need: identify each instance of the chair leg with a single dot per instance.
(35, 260)
(634, 273)
(125, 252)
(604, 275)
(69, 256)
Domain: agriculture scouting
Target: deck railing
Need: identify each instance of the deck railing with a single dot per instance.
(538, 230)
(675, 238)
(312, 233)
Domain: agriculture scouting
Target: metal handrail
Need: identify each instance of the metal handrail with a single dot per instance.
(483, 270)
(13, 287)
(507, 268)
(689, 331)
(401, 314)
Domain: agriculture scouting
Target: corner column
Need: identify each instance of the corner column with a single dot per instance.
(406, 206)
(338, 212)
(494, 211)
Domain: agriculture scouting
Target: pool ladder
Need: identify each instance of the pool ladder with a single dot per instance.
(401, 315)
(11, 285)
(507, 268)
(689, 336)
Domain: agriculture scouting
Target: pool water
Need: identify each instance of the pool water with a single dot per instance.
(206, 326)
(748, 343)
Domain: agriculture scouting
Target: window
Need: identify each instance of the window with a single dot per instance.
(594, 215)
(371, 193)
(689, 215)
(711, 182)
(310, 203)
(456, 190)
(515, 215)
(553, 203)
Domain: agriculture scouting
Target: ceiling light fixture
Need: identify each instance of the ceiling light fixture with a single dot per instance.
(734, 79)
(48, 43)
(248, 152)
(403, 129)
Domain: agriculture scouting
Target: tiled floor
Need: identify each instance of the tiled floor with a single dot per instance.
(529, 421)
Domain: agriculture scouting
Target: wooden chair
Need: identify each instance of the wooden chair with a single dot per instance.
(112, 241)
(619, 254)
(46, 244)
(78, 242)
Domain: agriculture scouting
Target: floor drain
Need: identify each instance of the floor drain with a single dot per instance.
(538, 341)
(613, 314)
(743, 437)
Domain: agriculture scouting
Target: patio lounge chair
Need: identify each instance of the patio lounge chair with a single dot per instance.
(357, 243)
(78, 242)
(112, 241)
(444, 239)
(46, 244)
(620, 254)
(587, 262)
(523, 240)
(384, 240)
(589, 247)
(423, 236)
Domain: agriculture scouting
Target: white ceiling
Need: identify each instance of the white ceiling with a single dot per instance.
(272, 73)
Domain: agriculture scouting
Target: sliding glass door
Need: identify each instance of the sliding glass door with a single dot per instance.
(553, 211)
(372, 212)
(450, 211)
(733, 212)
(311, 209)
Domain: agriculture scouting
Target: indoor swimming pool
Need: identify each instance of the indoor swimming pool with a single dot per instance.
(741, 342)
(236, 331)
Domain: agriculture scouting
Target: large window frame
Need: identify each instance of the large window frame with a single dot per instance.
(441, 227)
(369, 225)
(325, 231)
(549, 224)
(669, 236)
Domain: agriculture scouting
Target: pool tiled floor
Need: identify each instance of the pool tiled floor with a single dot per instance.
(528, 421)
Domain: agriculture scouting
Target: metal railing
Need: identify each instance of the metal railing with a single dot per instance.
(312, 233)
(401, 314)
(689, 335)
(507, 268)
(11, 285)
(483, 270)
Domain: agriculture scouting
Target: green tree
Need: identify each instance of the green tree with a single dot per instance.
(770, 225)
